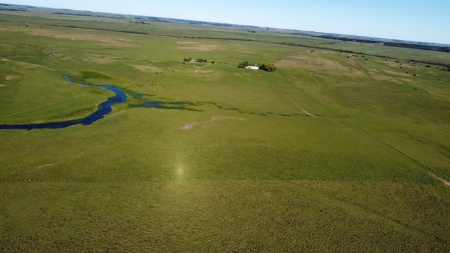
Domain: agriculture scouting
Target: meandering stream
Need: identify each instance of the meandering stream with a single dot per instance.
(138, 100)
(103, 109)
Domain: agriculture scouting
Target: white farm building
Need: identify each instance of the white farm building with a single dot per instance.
(252, 67)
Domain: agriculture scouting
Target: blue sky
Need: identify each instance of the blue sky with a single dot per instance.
(415, 20)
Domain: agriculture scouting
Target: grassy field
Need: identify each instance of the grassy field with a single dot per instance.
(332, 152)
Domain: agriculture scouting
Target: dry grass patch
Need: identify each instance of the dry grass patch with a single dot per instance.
(196, 46)
(101, 59)
(317, 63)
(396, 73)
(203, 71)
(381, 77)
(9, 77)
(85, 37)
(24, 65)
(308, 62)
(147, 69)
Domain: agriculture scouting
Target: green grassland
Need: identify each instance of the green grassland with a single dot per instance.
(334, 151)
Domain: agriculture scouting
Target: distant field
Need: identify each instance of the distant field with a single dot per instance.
(334, 151)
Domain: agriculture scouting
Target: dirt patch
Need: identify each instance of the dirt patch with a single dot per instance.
(84, 37)
(147, 69)
(237, 74)
(205, 124)
(447, 183)
(2, 85)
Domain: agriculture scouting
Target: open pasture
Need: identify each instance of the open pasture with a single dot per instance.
(333, 151)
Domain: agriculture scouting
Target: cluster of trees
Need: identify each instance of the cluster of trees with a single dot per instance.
(196, 60)
(269, 67)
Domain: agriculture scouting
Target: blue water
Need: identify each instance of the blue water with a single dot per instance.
(179, 105)
(103, 109)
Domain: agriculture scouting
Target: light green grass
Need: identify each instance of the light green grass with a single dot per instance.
(288, 216)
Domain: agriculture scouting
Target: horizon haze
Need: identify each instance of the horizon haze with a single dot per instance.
(415, 20)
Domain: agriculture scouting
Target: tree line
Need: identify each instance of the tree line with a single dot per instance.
(196, 60)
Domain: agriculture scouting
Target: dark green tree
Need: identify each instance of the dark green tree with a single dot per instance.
(267, 67)
(243, 64)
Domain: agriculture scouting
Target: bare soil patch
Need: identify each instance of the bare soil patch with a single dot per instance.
(2, 85)
(206, 124)
(447, 183)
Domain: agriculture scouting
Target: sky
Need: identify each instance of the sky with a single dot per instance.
(414, 20)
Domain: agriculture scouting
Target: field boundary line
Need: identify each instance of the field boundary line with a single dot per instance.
(375, 215)
(424, 166)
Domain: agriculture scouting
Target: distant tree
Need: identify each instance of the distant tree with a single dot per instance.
(267, 67)
(243, 64)
(187, 59)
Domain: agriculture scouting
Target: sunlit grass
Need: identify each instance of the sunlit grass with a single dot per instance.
(331, 152)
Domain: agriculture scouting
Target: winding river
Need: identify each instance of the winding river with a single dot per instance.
(103, 109)
(139, 100)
